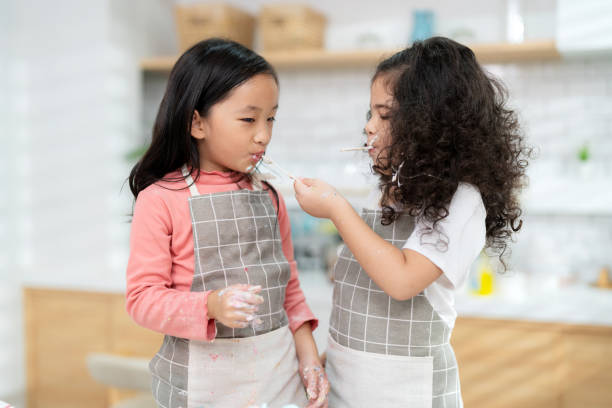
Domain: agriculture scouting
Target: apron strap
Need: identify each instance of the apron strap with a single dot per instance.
(192, 187)
(256, 182)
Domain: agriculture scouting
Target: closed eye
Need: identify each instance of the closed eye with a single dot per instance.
(248, 120)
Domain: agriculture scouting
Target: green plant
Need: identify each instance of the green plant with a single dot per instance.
(136, 153)
(583, 153)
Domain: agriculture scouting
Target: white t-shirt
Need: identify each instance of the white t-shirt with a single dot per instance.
(464, 237)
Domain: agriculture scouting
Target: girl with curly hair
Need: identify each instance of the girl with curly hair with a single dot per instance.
(451, 161)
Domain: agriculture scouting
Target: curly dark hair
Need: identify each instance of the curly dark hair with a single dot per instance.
(450, 124)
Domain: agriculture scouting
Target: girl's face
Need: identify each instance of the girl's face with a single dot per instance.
(377, 127)
(233, 136)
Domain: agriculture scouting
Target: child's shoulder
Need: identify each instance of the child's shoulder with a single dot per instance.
(468, 191)
(467, 197)
(166, 187)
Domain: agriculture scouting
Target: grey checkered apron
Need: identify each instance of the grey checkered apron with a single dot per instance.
(366, 319)
(236, 240)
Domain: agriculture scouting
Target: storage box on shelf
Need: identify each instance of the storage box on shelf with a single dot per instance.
(286, 27)
(200, 21)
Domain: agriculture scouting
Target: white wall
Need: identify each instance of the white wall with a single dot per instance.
(562, 106)
(71, 99)
(565, 105)
(11, 168)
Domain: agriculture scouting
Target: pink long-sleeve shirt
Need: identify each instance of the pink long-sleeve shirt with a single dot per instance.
(161, 263)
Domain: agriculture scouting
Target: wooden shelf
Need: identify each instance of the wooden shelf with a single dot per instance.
(545, 50)
(486, 53)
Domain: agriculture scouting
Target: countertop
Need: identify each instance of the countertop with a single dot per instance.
(577, 304)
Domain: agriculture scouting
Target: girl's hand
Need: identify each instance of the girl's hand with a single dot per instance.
(315, 380)
(317, 198)
(235, 306)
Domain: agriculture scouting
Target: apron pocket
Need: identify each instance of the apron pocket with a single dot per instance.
(241, 372)
(360, 379)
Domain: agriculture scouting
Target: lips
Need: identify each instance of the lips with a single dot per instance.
(255, 157)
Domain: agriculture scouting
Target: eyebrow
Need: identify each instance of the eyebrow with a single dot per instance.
(254, 108)
(382, 105)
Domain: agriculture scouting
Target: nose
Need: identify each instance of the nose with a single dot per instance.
(370, 131)
(263, 136)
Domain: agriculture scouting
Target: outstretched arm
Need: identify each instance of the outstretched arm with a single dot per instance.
(402, 274)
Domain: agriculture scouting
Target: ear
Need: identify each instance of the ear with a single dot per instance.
(198, 126)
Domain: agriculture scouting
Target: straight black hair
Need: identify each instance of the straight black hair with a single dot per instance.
(202, 76)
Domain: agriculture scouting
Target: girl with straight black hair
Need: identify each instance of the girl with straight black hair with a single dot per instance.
(211, 260)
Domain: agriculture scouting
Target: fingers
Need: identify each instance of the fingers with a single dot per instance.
(242, 312)
(303, 183)
(242, 317)
(239, 286)
(237, 295)
(244, 287)
(311, 383)
(317, 386)
(240, 298)
(308, 181)
(239, 304)
(323, 386)
(241, 320)
(299, 187)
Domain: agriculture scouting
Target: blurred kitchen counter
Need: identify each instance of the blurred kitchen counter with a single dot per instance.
(577, 304)
(535, 345)
(536, 364)
(550, 350)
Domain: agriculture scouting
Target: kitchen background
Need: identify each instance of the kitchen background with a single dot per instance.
(75, 102)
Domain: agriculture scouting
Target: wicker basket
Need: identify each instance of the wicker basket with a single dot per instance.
(200, 21)
(286, 27)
